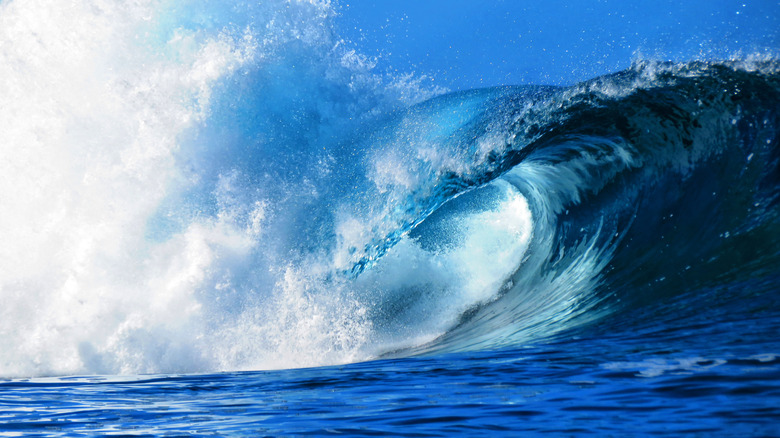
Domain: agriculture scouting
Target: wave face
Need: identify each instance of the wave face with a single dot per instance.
(186, 195)
(640, 188)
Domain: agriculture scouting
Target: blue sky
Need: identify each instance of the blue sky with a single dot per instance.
(466, 44)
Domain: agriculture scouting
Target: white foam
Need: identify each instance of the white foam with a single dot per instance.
(93, 112)
(103, 104)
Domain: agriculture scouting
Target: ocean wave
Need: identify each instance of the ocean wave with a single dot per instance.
(202, 188)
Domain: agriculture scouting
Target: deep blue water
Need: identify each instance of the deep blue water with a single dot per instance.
(652, 388)
(311, 218)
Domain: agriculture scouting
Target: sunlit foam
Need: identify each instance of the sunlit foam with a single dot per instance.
(90, 121)
(105, 106)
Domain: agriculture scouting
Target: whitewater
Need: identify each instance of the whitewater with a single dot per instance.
(223, 218)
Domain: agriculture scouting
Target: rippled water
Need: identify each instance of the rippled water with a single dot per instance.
(685, 376)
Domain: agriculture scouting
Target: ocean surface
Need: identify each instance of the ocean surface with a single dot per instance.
(292, 217)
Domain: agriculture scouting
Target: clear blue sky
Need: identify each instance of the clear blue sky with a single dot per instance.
(469, 43)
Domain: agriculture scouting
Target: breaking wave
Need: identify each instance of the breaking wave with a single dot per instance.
(182, 195)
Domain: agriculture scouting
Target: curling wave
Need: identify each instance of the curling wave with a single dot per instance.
(198, 189)
(652, 183)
